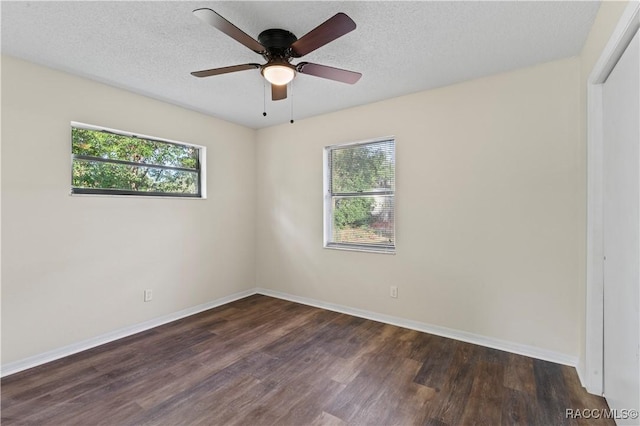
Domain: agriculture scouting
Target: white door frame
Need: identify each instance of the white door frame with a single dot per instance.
(592, 371)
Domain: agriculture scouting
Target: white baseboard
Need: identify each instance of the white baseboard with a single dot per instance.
(33, 361)
(503, 345)
(464, 336)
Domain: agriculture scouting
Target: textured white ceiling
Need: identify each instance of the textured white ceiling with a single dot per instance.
(399, 47)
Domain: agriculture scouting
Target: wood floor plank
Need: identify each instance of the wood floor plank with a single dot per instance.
(435, 368)
(398, 400)
(326, 419)
(266, 361)
(350, 367)
(551, 393)
(378, 367)
(452, 397)
(518, 374)
(518, 408)
(484, 404)
(239, 401)
(305, 404)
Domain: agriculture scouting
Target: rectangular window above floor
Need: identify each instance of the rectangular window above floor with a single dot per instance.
(359, 204)
(113, 162)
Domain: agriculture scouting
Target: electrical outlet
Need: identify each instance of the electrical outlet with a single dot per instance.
(393, 291)
(148, 295)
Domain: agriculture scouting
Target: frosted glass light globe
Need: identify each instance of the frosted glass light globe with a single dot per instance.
(278, 74)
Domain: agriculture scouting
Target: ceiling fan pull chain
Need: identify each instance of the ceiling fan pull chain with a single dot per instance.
(264, 98)
(291, 97)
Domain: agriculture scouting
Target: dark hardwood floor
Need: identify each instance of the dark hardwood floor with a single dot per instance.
(262, 360)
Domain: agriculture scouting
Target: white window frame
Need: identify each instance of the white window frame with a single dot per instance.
(327, 211)
(202, 155)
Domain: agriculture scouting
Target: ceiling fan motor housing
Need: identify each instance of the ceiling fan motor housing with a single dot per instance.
(277, 42)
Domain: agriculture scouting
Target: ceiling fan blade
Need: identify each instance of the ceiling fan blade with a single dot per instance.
(331, 73)
(217, 21)
(331, 29)
(224, 70)
(278, 92)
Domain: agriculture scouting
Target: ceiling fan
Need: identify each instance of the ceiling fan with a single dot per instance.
(278, 47)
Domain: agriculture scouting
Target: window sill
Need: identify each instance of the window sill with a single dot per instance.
(365, 249)
(137, 197)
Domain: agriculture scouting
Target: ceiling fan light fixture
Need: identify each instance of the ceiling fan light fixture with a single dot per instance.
(278, 74)
(278, 47)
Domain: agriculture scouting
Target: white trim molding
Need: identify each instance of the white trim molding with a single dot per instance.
(34, 361)
(476, 339)
(503, 345)
(591, 374)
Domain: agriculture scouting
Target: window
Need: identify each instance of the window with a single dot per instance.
(359, 196)
(106, 161)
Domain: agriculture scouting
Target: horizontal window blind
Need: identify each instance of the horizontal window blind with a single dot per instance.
(362, 195)
(365, 168)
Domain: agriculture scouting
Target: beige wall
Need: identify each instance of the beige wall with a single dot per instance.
(490, 208)
(74, 267)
